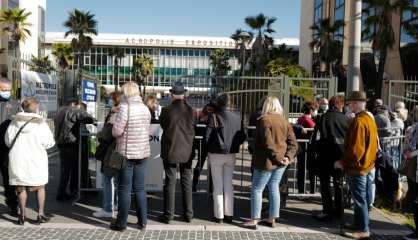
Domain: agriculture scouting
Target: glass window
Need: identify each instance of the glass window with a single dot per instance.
(162, 52)
(202, 53)
(185, 53)
(191, 53)
(172, 71)
(179, 52)
(196, 53)
(168, 51)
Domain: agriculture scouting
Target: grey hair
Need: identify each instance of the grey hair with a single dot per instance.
(5, 80)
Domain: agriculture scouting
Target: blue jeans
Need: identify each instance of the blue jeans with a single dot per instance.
(261, 178)
(108, 193)
(359, 189)
(371, 187)
(132, 179)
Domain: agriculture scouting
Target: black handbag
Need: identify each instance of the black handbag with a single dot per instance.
(216, 143)
(118, 161)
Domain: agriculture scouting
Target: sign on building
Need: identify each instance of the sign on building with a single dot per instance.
(42, 86)
(89, 91)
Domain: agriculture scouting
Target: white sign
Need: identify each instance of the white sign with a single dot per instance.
(42, 86)
(155, 169)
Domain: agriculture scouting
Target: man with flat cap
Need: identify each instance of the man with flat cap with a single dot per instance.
(177, 122)
(360, 149)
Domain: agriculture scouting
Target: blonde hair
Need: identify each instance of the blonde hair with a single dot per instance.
(130, 89)
(272, 106)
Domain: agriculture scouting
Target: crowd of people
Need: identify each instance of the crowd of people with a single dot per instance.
(345, 140)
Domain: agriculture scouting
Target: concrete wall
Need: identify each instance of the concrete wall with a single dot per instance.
(305, 35)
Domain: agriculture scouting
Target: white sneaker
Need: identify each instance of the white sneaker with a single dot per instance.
(103, 214)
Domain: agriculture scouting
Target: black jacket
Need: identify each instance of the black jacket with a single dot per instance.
(332, 129)
(177, 121)
(4, 150)
(67, 123)
(230, 127)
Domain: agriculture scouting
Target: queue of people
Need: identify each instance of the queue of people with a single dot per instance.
(346, 143)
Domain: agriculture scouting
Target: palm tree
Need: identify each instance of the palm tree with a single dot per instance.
(80, 24)
(262, 25)
(284, 52)
(325, 36)
(117, 53)
(219, 60)
(41, 64)
(15, 22)
(240, 44)
(379, 31)
(64, 55)
(144, 65)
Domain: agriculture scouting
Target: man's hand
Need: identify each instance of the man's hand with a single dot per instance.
(285, 161)
(339, 165)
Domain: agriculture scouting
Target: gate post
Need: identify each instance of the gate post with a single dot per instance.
(389, 93)
(286, 95)
(332, 86)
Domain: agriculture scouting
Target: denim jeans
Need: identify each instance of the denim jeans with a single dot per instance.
(371, 187)
(132, 179)
(108, 193)
(261, 178)
(359, 188)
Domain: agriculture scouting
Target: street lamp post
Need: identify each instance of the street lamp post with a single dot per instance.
(353, 73)
(244, 38)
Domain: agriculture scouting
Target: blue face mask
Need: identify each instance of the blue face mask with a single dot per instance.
(110, 103)
(5, 95)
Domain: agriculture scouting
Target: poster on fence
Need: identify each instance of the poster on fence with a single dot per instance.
(42, 86)
(155, 170)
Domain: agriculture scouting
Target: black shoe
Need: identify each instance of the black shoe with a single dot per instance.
(323, 217)
(42, 219)
(188, 219)
(218, 220)
(228, 219)
(164, 219)
(268, 224)
(116, 227)
(14, 212)
(412, 236)
(21, 220)
(142, 227)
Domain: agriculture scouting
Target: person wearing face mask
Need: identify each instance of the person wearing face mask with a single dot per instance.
(9, 191)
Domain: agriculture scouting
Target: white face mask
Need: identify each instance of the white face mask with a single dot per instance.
(315, 113)
(5, 95)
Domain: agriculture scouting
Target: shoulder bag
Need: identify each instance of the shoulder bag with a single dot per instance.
(18, 133)
(118, 161)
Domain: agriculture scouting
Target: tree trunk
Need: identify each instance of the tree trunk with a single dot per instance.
(80, 75)
(116, 74)
(380, 72)
(145, 86)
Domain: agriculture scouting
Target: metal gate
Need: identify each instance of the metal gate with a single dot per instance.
(405, 91)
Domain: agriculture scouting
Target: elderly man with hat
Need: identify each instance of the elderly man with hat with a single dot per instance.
(177, 122)
(360, 149)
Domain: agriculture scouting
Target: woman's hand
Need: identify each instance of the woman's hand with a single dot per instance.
(409, 154)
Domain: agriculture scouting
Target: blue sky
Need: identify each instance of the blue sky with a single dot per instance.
(178, 17)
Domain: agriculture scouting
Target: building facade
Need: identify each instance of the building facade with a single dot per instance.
(174, 57)
(312, 11)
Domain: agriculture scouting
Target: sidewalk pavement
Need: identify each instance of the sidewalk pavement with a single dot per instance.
(75, 221)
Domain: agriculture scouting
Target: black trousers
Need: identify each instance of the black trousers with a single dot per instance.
(170, 188)
(326, 195)
(201, 159)
(69, 171)
(9, 191)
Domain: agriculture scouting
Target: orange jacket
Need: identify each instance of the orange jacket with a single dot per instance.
(361, 145)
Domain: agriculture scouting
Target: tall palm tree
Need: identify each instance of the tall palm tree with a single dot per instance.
(81, 25)
(15, 22)
(63, 54)
(219, 60)
(41, 64)
(325, 41)
(284, 52)
(240, 45)
(144, 65)
(262, 25)
(379, 31)
(117, 54)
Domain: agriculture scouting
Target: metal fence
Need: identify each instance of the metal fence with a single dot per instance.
(405, 91)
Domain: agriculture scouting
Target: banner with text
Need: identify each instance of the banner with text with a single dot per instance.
(42, 86)
(155, 170)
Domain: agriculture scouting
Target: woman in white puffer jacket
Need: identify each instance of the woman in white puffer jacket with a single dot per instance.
(28, 159)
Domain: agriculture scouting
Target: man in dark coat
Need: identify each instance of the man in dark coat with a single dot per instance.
(332, 129)
(177, 122)
(67, 127)
(9, 191)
